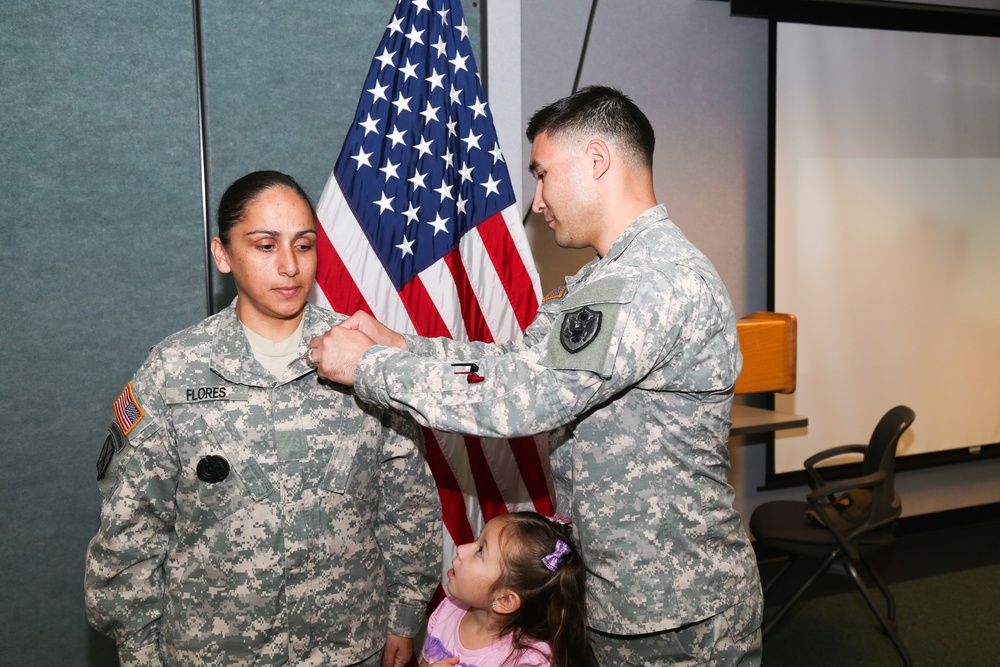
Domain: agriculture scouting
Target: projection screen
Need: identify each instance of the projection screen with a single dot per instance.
(887, 234)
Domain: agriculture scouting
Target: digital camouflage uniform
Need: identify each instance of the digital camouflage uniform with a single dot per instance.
(631, 366)
(251, 520)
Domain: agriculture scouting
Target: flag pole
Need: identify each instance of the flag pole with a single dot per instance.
(583, 50)
(203, 149)
(579, 71)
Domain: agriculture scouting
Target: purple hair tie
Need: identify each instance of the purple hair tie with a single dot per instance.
(560, 519)
(554, 559)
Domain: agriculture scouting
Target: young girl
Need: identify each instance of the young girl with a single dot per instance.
(515, 598)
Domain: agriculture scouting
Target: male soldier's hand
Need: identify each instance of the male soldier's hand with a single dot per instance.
(378, 332)
(336, 353)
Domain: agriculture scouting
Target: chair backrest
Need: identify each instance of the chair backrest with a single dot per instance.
(881, 457)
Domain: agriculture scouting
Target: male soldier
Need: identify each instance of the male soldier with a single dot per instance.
(631, 364)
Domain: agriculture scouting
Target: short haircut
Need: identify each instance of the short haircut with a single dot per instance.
(603, 112)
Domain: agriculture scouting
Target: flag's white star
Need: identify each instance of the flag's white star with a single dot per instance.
(444, 191)
(460, 204)
(455, 94)
(492, 187)
(362, 158)
(415, 36)
(417, 180)
(435, 80)
(378, 92)
(395, 25)
(441, 47)
(464, 29)
(478, 109)
(411, 213)
(421, 5)
(439, 224)
(430, 113)
(384, 204)
(389, 170)
(472, 140)
(370, 125)
(396, 136)
(443, 13)
(409, 70)
(458, 62)
(402, 104)
(452, 131)
(424, 147)
(385, 58)
(466, 173)
(497, 155)
(448, 157)
(406, 246)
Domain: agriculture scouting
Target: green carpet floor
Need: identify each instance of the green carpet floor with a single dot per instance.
(947, 589)
(946, 620)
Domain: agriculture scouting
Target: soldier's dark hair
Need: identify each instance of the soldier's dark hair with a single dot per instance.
(602, 112)
(552, 606)
(241, 193)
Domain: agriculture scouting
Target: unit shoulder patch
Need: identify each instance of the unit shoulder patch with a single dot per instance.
(113, 445)
(579, 329)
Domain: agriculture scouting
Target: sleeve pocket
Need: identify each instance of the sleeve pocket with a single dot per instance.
(588, 331)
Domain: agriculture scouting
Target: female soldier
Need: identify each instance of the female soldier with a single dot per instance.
(253, 513)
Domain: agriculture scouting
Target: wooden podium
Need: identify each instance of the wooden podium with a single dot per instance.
(768, 342)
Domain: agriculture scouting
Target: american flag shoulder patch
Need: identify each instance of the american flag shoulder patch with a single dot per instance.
(127, 410)
(557, 293)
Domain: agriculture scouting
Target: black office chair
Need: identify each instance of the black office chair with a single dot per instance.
(835, 524)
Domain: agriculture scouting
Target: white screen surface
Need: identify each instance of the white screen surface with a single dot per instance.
(887, 234)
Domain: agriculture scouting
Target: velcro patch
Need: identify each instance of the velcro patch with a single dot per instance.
(127, 410)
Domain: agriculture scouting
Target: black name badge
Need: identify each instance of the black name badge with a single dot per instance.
(579, 329)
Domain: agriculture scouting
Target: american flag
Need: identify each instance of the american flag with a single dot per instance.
(419, 227)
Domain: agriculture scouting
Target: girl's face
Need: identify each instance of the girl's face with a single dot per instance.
(477, 567)
(272, 256)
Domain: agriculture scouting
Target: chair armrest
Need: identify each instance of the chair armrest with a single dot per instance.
(810, 463)
(832, 452)
(865, 482)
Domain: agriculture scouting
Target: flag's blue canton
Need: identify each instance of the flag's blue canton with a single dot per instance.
(421, 165)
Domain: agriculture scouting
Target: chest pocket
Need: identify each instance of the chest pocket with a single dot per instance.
(220, 476)
(587, 332)
(347, 437)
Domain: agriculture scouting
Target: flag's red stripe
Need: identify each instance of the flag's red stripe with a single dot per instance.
(472, 314)
(532, 473)
(456, 522)
(510, 267)
(334, 279)
(422, 311)
(491, 501)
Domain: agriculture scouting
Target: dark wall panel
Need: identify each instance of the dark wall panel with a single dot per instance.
(103, 254)
(101, 216)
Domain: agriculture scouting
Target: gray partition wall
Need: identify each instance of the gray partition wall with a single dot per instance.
(101, 208)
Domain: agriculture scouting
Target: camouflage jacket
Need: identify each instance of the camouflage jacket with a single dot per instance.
(631, 366)
(251, 520)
